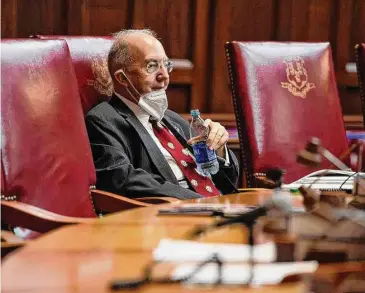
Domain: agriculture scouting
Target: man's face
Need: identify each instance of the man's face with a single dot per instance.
(149, 69)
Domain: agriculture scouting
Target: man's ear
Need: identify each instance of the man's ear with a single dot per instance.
(120, 78)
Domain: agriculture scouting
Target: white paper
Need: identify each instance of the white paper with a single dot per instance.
(325, 180)
(184, 250)
(235, 274)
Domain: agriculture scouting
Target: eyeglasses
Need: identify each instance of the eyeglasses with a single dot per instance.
(152, 66)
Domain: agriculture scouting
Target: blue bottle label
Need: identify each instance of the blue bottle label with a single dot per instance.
(202, 153)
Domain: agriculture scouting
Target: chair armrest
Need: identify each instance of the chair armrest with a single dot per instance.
(10, 242)
(6, 248)
(20, 214)
(158, 199)
(109, 202)
(10, 237)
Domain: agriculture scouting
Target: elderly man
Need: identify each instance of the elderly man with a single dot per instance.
(140, 147)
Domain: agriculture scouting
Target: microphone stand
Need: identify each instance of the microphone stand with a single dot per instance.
(248, 222)
(250, 226)
(274, 175)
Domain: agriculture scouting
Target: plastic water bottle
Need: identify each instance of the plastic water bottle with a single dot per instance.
(206, 159)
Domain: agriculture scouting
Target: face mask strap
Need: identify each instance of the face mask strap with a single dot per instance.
(130, 83)
(142, 102)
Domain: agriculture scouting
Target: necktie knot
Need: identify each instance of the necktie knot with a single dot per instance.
(157, 126)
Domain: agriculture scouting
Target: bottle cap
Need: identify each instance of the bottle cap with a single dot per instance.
(195, 112)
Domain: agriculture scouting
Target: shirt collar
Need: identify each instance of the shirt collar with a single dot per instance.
(141, 114)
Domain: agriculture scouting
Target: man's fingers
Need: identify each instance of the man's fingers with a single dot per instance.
(215, 129)
(220, 140)
(207, 122)
(217, 137)
(195, 139)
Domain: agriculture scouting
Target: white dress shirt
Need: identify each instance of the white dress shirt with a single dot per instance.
(144, 118)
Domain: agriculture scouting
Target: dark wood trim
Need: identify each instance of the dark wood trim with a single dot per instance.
(85, 19)
(74, 19)
(200, 59)
(138, 11)
(182, 76)
(353, 122)
(347, 78)
(183, 72)
(228, 120)
(344, 18)
(9, 13)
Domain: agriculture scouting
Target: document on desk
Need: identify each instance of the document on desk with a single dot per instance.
(236, 274)
(170, 250)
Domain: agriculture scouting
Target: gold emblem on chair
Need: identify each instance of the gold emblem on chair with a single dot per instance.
(297, 77)
(103, 82)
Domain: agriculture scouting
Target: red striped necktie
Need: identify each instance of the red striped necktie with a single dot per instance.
(201, 184)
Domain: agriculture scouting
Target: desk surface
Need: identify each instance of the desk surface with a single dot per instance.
(85, 258)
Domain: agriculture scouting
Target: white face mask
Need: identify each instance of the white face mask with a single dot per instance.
(154, 103)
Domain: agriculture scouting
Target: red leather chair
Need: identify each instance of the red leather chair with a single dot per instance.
(47, 171)
(283, 94)
(360, 63)
(89, 58)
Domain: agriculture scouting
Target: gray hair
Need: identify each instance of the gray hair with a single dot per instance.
(120, 54)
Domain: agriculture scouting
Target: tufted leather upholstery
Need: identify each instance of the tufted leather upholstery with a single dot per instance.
(276, 111)
(89, 57)
(45, 151)
(360, 63)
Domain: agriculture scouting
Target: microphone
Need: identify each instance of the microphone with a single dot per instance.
(313, 152)
(278, 203)
(275, 175)
(271, 178)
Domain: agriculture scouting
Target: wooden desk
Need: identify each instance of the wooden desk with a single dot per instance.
(85, 258)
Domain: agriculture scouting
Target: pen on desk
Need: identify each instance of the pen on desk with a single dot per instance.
(126, 284)
(189, 213)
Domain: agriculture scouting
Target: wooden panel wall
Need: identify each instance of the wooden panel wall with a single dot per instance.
(194, 32)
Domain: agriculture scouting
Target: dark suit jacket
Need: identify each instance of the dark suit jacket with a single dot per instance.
(128, 161)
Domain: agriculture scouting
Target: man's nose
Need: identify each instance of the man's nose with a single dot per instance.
(162, 74)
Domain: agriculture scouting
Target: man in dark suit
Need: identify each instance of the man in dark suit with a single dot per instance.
(129, 157)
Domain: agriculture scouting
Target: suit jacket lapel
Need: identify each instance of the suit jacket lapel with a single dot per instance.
(152, 149)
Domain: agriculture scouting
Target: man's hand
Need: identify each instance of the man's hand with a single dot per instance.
(217, 137)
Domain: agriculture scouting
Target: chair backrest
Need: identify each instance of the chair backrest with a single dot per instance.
(45, 152)
(283, 94)
(3, 186)
(89, 57)
(360, 63)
